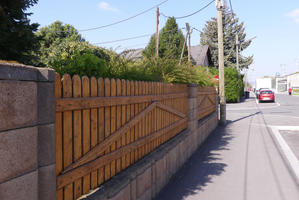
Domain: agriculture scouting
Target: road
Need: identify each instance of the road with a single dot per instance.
(254, 157)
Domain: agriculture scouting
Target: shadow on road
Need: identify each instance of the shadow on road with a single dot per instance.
(200, 169)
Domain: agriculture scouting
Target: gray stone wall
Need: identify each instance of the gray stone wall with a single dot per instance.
(27, 133)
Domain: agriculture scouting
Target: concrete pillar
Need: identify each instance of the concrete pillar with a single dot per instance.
(192, 116)
(27, 132)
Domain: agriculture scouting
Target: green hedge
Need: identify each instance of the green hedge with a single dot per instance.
(234, 87)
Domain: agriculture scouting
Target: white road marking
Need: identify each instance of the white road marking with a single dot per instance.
(292, 159)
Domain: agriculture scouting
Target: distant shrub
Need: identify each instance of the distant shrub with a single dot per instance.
(234, 87)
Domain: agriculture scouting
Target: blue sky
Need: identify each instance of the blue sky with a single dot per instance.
(274, 22)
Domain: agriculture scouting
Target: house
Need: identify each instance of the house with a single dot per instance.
(293, 80)
(200, 55)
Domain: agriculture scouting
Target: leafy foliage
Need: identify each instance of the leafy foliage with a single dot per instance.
(171, 41)
(60, 42)
(64, 49)
(234, 87)
(17, 38)
(231, 28)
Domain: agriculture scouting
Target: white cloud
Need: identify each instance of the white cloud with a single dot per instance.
(105, 6)
(294, 15)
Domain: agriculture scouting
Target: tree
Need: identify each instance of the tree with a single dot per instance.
(60, 42)
(171, 41)
(231, 28)
(17, 38)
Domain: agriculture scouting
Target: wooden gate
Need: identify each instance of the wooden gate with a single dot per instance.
(103, 126)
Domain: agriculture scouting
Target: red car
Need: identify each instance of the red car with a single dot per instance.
(266, 95)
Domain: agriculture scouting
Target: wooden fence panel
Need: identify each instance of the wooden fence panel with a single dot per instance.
(103, 126)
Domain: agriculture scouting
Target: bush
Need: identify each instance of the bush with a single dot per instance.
(234, 87)
(86, 64)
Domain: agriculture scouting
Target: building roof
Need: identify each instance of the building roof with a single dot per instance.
(199, 54)
(132, 54)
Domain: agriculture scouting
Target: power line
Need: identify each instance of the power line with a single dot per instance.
(118, 22)
(131, 38)
(124, 39)
(189, 15)
(136, 45)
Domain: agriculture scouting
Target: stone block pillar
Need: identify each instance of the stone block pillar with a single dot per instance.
(192, 116)
(27, 133)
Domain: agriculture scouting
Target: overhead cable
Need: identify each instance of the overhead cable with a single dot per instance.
(118, 22)
(124, 39)
(131, 38)
(189, 15)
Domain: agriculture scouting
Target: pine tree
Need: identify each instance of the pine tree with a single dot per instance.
(17, 38)
(171, 41)
(231, 28)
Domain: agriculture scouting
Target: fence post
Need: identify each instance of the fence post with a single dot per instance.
(193, 115)
(27, 132)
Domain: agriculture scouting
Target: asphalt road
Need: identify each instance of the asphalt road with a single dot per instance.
(254, 157)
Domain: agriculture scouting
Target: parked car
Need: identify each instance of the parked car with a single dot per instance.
(259, 90)
(266, 95)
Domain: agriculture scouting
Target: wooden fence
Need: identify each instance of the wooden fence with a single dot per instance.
(206, 101)
(103, 126)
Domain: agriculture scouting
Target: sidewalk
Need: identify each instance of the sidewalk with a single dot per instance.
(237, 162)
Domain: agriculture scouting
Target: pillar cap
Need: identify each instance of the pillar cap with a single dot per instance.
(192, 85)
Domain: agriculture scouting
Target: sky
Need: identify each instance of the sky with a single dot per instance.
(275, 23)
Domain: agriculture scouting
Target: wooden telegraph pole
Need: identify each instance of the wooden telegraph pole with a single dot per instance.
(187, 34)
(157, 33)
(189, 43)
(220, 7)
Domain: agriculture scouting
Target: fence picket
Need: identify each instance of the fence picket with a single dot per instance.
(86, 130)
(113, 124)
(94, 128)
(118, 123)
(130, 155)
(77, 133)
(123, 121)
(101, 135)
(59, 136)
(67, 134)
(107, 127)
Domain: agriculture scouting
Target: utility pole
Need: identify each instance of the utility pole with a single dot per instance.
(187, 35)
(237, 51)
(189, 43)
(157, 33)
(220, 7)
(182, 53)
